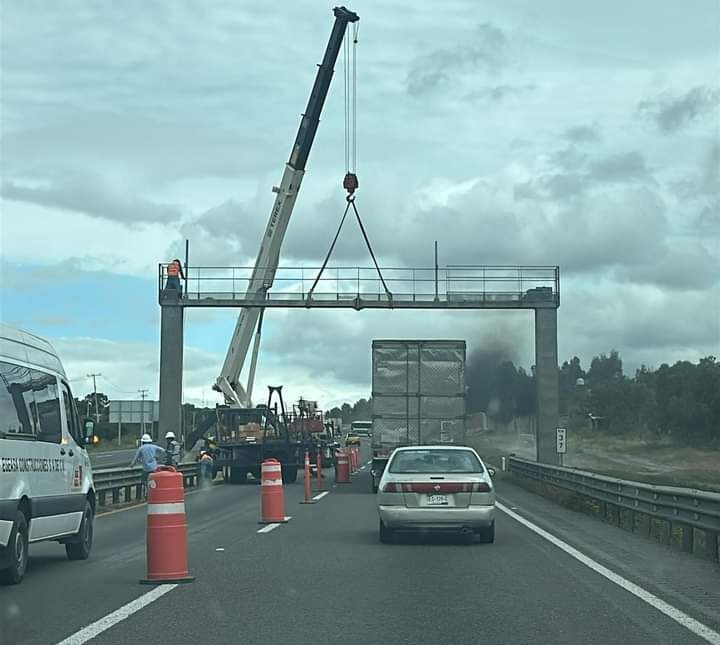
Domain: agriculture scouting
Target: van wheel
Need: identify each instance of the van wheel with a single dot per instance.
(81, 547)
(16, 552)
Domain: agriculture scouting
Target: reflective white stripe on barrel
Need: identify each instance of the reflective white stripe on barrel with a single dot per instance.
(272, 468)
(166, 509)
(271, 482)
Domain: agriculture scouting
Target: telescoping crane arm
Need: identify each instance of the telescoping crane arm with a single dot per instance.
(269, 255)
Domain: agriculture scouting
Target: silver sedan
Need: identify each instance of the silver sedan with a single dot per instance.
(444, 488)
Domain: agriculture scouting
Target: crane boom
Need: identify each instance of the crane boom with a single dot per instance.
(268, 257)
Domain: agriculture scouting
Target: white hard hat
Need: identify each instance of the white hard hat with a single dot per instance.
(170, 435)
(146, 438)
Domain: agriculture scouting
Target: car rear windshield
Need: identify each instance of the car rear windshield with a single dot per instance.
(435, 461)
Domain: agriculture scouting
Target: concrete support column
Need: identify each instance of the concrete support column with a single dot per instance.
(171, 368)
(546, 378)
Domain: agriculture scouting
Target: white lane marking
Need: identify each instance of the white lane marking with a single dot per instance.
(219, 548)
(363, 467)
(105, 623)
(320, 495)
(268, 527)
(680, 617)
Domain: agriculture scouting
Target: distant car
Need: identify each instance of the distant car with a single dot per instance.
(352, 439)
(361, 428)
(436, 488)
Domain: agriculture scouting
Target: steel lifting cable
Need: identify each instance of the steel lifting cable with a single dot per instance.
(350, 183)
(356, 28)
(346, 84)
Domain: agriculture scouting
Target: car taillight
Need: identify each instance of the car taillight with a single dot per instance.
(432, 488)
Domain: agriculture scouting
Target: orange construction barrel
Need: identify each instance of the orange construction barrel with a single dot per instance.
(272, 502)
(342, 468)
(166, 528)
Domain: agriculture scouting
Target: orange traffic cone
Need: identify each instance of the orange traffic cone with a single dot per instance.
(308, 481)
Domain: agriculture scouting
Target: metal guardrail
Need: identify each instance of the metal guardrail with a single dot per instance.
(696, 508)
(123, 481)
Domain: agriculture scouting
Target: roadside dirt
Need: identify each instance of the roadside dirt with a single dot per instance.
(626, 458)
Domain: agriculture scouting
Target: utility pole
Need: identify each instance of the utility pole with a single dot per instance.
(97, 407)
(143, 394)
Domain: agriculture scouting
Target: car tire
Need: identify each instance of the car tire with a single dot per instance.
(486, 534)
(80, 548)
(16, 552)
(386, 534)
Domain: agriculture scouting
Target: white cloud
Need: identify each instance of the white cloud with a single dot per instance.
(128, 128)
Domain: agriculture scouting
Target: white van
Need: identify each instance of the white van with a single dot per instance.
(46, 483)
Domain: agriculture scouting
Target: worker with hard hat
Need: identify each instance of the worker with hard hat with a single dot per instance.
(174, 273)
(206, 463)
(172, 449)
(147, 456)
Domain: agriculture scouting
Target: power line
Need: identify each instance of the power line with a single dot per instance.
(116, 388)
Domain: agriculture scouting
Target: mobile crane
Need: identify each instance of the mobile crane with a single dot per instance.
(238, 410)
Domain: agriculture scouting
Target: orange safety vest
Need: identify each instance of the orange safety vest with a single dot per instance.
(173, 269)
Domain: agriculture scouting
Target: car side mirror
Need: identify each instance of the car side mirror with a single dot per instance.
(491, 472)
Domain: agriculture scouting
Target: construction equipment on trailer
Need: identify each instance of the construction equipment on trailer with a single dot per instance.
(418, 396)
(309, 428)
(248, 436)
(250, 318)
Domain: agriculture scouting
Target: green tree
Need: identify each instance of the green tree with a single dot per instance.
(605, 369)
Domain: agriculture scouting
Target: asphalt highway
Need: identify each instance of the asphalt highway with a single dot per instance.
(324, 577)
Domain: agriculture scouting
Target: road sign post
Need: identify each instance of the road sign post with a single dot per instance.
(561, 443)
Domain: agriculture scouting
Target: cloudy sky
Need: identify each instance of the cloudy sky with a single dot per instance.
(513, 133)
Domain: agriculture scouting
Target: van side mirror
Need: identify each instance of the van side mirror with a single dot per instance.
(491, 472)
(88, 431)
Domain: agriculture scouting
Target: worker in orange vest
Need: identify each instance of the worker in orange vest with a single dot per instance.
(174, 273)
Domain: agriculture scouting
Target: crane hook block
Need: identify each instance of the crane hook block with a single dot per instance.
(350, 183)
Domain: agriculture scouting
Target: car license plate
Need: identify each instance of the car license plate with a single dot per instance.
(437, 500)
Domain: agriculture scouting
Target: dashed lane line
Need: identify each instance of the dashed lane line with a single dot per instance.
(105, 623)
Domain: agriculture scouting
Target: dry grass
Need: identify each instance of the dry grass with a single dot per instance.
(636, 458)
